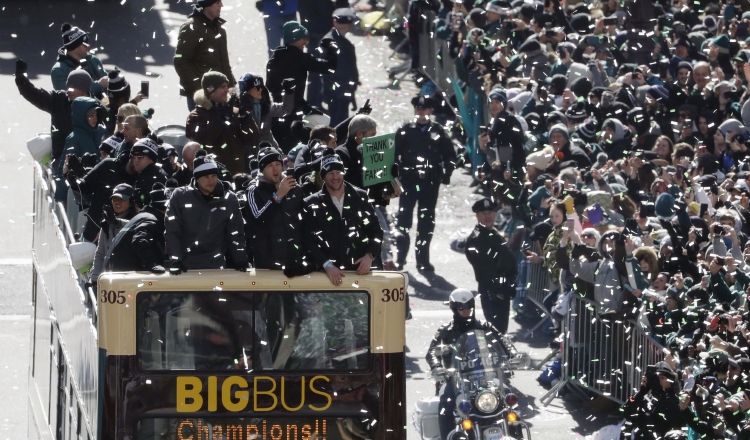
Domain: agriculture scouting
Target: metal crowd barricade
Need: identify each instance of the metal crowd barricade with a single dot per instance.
(539, 286)
(602, 354)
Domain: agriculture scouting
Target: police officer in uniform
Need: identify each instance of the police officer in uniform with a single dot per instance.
(426, 158)
(439, 356)
(494, 264)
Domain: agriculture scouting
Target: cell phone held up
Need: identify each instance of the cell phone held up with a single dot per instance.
(144, 89)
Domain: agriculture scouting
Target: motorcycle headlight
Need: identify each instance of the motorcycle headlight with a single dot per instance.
(487, 401)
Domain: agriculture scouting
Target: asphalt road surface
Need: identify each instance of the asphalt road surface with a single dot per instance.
(138, 36)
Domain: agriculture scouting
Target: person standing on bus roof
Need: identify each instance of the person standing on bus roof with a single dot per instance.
(204, 222)
(202, 48)
(340, 228)
(494, 265)
(140, 244)
(273, 214)
(145, 155)
(116, 215)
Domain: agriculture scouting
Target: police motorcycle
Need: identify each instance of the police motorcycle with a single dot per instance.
(482, 364)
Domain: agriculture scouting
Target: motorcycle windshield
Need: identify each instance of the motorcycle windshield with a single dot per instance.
(479, 357)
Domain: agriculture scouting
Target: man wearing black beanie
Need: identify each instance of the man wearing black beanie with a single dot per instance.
(204, 223)
(74, 54)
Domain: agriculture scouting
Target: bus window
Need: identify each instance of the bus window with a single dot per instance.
(208, 331)
(315, 330)
(195, 330)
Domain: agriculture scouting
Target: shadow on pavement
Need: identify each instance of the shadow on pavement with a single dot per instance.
(435, 288)
(131, 35)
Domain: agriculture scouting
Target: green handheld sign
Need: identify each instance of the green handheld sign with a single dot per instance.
(378, 156)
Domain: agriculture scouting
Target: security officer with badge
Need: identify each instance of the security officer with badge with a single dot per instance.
(494, 264)
(425, 155)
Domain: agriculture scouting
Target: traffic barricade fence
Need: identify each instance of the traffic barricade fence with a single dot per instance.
(602, 353)
(539, 286)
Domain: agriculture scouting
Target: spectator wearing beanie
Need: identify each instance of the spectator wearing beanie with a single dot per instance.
(229, 139)
(564, 151)
(505, 132)
(202, 48)
(204, 223)
(291, 61)
(118, 92)
(276, 14)
(273, 215)
(55, 102)
(74, 54)
(145, 155)
(719, 55)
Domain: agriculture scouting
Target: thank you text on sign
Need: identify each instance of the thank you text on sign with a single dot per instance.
(378, 155)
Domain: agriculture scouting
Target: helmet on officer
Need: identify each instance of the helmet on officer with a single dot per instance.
(462, 299)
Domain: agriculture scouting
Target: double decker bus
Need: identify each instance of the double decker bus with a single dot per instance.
(209, 354)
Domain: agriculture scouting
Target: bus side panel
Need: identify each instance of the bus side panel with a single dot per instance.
(40, 366)
(60, 283)
(393, 417)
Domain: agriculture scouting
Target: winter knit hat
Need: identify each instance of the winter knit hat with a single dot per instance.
(293, 31)
(110, 144)
(146, 146)
(268, 155)
(665, 209)
(498, 94)
(212, 81)
(559, 128)
(73, 37)
(329, 163)
(722, 43)
(118, 85)
(205, 3)
(588, 129)
(710, 23)
(659, 93)
(159, 197)
(203, 165)
(249, 81)
(79, 79)
(577, 111)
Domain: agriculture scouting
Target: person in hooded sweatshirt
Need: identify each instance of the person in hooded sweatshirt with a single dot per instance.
(559, 139)
(87, 134)
(204, 223)
(74, 54)
(614, 140)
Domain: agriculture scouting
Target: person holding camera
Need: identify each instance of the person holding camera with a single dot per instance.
(655, 409)
(272, 215)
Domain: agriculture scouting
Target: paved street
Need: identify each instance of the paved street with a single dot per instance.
(138, 36)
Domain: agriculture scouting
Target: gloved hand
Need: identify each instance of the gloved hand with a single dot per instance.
(242, 266)
(326, 43)
(72, 180)
(108, 215)
(177, 268)
(158, 269)
(439, 373)
(365, 109)
(395, 170)
(288, 84)
(569, 205)
(75, 165)
(446, 180)
(21, 67)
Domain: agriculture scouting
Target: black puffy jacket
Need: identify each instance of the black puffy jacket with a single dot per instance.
(343, 239)
(144, 182)
(139, 245)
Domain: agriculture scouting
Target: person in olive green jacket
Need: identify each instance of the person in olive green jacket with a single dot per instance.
(202, 47)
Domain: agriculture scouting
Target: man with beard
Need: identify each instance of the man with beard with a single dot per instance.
(340, 228)
(204, 223)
